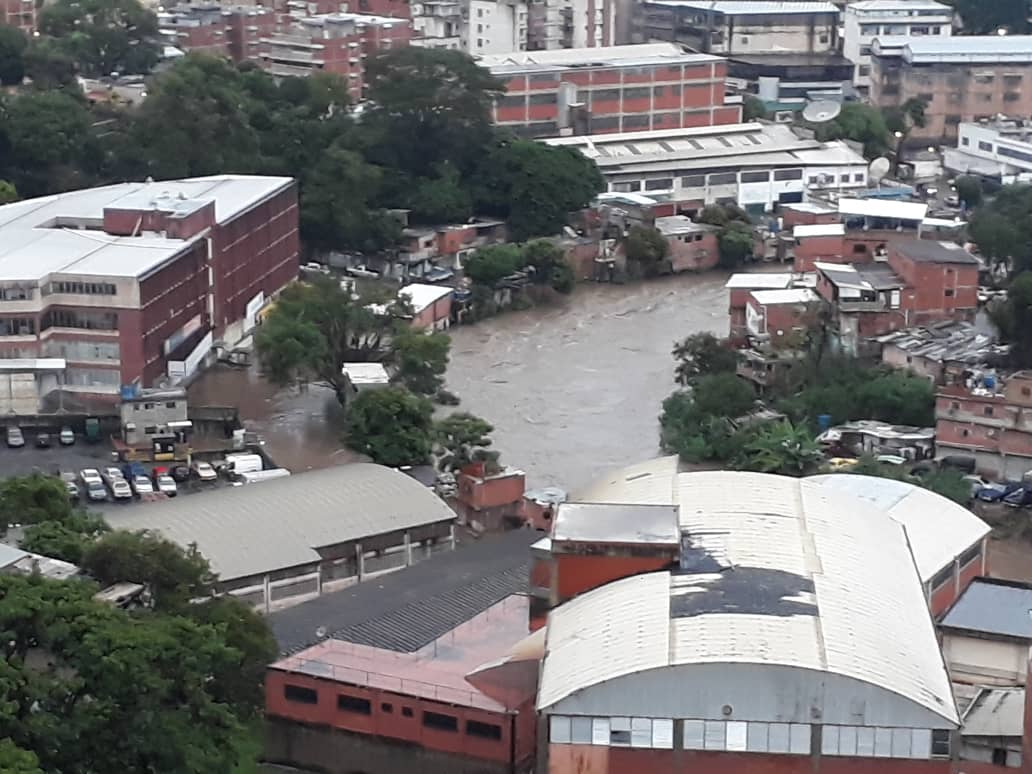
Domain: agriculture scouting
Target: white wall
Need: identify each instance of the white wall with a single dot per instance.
(858, 30)
(496, 27)
(986, 662)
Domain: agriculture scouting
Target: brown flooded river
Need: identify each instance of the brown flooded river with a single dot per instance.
(572, 390)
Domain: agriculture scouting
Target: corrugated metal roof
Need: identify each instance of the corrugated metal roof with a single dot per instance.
(405, 610)
(939, 530)
(947, 342)
(996, 712)
(421, 296)
(775, 571)
(993, 607)
(603, 56)
(32, 247)
(252, 530)
(612, 523)
(647, 483)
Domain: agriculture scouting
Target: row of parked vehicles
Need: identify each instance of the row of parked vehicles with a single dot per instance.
(1016, 494)
(132, 480)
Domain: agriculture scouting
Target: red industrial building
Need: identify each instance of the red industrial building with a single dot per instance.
(125, 282)
(20, 14)
(610, 89)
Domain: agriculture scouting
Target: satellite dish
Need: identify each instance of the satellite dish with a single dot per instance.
(320, 633)
(821, 111)
(878, 169)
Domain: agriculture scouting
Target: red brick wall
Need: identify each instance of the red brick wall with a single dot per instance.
(816, 248)
(492, 492)
(793, 217)
(393, 724)
(577, 574)
(257, 251)
(939, 290)
(695, 255)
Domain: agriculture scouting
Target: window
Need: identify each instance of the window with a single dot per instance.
(480, 28)
(865, 50)
(919, 30)
(965, 433)
(999, 756)
(858, 177)
(755, 177)
(638, 93)
(15, 294)
(988, 411)
(824, 38)
(543, 99)
(723, 178)
(580, 730)
(487, 730)
(386, 707)
(1014, 154)
(693, 181)
(942, 577)
(150, 430)
(970, 555)
(1026, 391)
(83, 288)
(868, 29)
(300, 694)
(745, 38)
(354, 704)
(17, 326)
(604, 95)
(983, 78)
(952, 119)
(865, 71)
(940, 743)
(620, 732)
(559, 729)
(170, 404)
(406, 712)
(859, 247)
(965, 141)
(955, 405)
(949, 292)
(788, 174)
(440, 722)
(627, 187)
(662, 184)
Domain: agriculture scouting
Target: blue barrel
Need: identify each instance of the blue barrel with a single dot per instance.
(823, 421)
(989, 381)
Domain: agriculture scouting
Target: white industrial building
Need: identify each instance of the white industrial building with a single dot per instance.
(796, 614)
(999, 149)
(753, 165)
(866, 20)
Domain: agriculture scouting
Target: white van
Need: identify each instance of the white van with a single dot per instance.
(238, 464)
(258, 476)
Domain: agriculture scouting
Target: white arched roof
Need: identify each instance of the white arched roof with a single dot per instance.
(776, 572)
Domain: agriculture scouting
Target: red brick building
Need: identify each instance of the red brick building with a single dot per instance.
(779, 318)
(333, 43)
(740, 287)
(124, 280)
(810, 243)
(609, 90)
(990, 421)
(20, 14)
(691, 246)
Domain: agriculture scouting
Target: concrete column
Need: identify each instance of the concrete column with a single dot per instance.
(956, 576)
(318, 578)
(408, 549)
(359, 562)
(985, 559)
(451, 536)
(267, 593)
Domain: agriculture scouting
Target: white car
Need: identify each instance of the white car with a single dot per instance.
(120, 489)
(205, 471)
(67, 437)
(166, 485)
(91, 476)
(111, 475)
(316, 268)
(142, 485)
(363, 271)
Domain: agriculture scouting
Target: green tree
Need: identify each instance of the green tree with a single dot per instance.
(15, 760)
(533, 185)
(392, 426)
(8, 193)
(441, 199)
(861, 123)
(428, 107)
(103, 36)
(780, 447)
(489, 265)
(1002, 227)
(420, 359)
(736, 243)
(753, 108)
(461, 439)
(12, 55)
(316, 328)
(646, 249)
(67, 539)
(701, 354)
(724, 395)
(48, 65)
(1019, 317)
(549, 265)
(902, 120)
(969, 190)
(694, 423)
(982, 18)
(33, 499)
(173, 575)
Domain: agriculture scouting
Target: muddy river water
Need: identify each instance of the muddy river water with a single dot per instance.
(572, 389)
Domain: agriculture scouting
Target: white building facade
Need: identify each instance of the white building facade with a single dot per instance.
(866, 20)
(495, 27)
(1000, 149)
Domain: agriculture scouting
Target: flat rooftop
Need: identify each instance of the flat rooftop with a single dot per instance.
(968, 49)
(882, 208)
(819, 230)
(34, 244)
(614, 523)
(993, 608)
(930, 251)
(637, 55)
(899, 5)
(759, 281)
(751, 7)
(784, 296)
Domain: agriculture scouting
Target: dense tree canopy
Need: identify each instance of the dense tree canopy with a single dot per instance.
(462, 438)
(1002, 227)
(985, 18)
(645, 249)
(103, 36)
(391, 425)
(859, 122)
(12, 55)
(420, 359)
(701, 354)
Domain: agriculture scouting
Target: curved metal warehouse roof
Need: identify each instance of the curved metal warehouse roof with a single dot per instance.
(776, 573)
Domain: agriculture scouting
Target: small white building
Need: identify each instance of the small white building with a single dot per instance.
(992, 727)
(1000, 149)
(866, 20)
(362, 377)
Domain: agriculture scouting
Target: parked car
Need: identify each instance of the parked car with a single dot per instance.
(166, 484)
(142, 485)
(180, 473)
(66, 437)
(977, 483)
(120, 489)
(72, 488)
(96, 491)
(133, 469)
(361, 270)
(204, 471)
(995, 491)
(15, 439)
(439, 274)
(112, 474)
(43, 440)
(1019, 498)
(91, 476)
(313, 267)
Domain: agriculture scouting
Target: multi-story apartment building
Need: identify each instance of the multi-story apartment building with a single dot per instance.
(960, 78)
(578, 23)
(988, 419)
(998, 148)
(865, 20)
(782, 51)
(495, 26)
(334, 43)
(620, 88)
(121, 281)
(438, 24)
(235, 32)
(20, 14)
